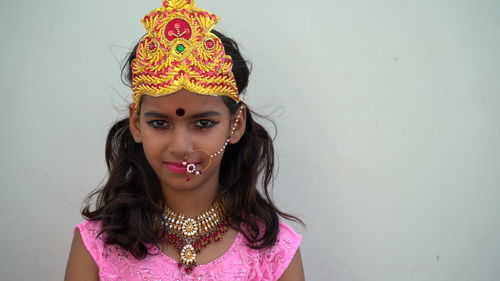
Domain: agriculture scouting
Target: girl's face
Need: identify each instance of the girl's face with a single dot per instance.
(173, 126)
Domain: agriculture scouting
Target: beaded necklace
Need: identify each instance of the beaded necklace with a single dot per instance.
(189, 236)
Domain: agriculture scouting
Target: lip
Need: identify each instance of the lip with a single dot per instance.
(177, 167)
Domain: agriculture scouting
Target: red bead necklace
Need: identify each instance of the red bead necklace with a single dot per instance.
(189, 236)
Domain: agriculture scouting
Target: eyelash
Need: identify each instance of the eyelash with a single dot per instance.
(154, 124)
(164, 125)
(212, 123)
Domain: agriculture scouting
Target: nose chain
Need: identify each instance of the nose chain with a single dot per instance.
(191, 168)
(233, 129)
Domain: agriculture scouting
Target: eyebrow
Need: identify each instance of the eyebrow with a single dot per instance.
(166, 116)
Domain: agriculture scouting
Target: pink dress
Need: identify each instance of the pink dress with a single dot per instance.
(239, 262)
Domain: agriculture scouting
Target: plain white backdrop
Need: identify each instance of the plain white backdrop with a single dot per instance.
(388, 127)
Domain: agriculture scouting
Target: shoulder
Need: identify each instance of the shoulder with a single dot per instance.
(278, 257)
(89, 227)
(272, 262)
(83, 258)
(288, 237)
(291, 268)
(287, 241)
(91, 237)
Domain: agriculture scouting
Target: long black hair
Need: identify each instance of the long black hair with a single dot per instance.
(130, 204)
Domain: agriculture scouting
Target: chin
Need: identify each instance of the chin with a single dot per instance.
(180, 183)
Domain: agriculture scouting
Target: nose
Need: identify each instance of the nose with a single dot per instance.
(180, 142)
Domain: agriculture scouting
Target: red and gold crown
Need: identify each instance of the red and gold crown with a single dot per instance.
(179, 51)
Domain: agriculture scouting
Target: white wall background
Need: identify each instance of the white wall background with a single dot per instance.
(388, 116)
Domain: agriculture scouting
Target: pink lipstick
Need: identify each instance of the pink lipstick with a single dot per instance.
(177, 167)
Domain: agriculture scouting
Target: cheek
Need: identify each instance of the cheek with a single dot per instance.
(214, 141)
(152, 146)
(151, 155)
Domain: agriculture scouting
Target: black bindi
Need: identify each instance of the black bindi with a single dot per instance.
(180, 112)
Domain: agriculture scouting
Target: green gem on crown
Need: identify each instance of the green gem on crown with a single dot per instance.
(180, 48)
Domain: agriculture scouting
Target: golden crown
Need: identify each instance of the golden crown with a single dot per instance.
(179, 51)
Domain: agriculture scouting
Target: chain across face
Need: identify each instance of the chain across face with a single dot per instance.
(193, 168)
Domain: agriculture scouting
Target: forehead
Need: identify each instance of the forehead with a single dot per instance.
(183, 99)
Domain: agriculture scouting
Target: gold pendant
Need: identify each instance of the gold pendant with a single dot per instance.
(188, 255)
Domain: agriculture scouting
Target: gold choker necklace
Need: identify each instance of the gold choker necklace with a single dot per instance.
(189, 236)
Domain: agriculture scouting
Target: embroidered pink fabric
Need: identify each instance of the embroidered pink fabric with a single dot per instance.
(239, 262)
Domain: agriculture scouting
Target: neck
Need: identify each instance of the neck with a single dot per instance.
(190, 202)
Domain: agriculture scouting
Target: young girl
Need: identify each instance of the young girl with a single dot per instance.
(181, 201)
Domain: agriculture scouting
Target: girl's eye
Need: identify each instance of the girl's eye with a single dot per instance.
(158, 124)
(205, 124)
